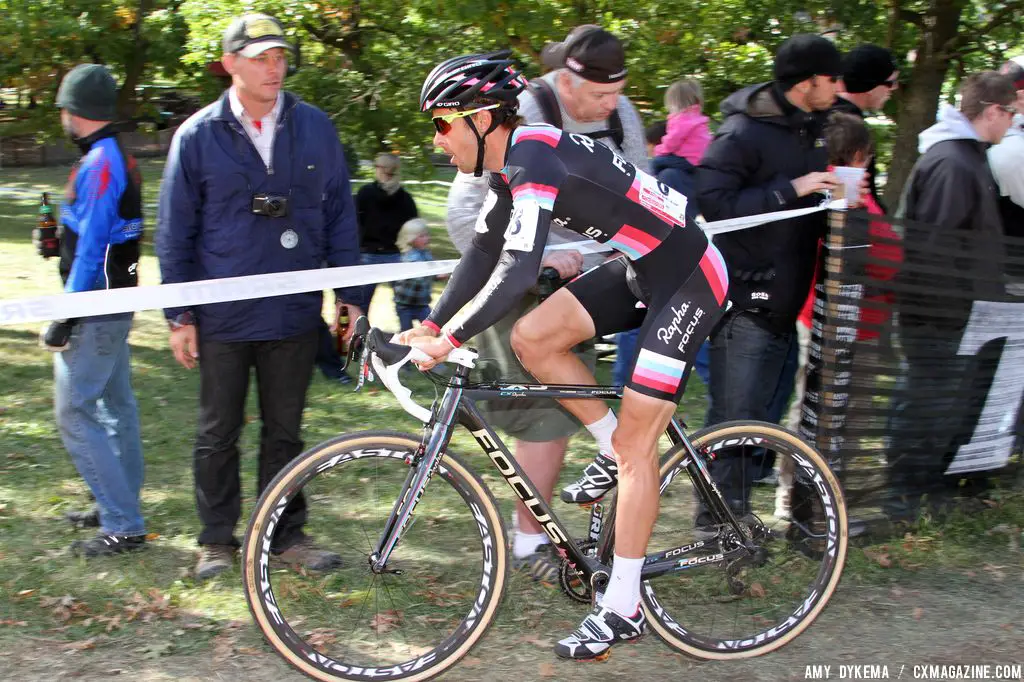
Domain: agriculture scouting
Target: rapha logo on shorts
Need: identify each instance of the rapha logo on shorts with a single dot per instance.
(668, 332)
(759, 296)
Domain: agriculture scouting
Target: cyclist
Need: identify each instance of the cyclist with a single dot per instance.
(669, 281)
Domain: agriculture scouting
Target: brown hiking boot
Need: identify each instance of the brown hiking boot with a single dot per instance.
(307, 555)
(214, 560)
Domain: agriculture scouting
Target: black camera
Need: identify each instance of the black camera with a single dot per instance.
(270, 205)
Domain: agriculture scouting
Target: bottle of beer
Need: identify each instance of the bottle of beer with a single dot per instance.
(45, 235)
(343, 324)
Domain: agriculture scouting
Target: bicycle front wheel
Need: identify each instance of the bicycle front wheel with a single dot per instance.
(719, 596)
(442, 585)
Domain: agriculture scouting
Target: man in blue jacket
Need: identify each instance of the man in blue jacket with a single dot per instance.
(255, 183)
(101, 219)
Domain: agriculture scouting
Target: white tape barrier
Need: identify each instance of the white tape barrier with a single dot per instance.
(111, 301)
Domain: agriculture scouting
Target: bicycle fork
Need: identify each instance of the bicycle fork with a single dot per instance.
(423, 464)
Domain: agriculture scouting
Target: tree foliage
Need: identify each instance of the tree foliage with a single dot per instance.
(363, 61)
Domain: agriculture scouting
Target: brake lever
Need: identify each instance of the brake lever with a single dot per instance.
(365, 368)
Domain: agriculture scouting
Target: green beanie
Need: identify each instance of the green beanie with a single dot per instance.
(89, 91)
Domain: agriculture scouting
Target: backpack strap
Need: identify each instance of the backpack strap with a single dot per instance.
(546, 99)
(552, 114)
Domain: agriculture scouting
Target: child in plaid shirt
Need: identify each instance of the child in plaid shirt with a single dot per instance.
(412, 296)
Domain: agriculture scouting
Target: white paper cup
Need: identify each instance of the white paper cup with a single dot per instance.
(850, 177)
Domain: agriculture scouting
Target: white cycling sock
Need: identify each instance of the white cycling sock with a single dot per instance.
(602, 431)
(623, 593)
(525, 544)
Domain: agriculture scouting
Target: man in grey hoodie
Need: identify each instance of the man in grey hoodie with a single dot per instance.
(952, 258)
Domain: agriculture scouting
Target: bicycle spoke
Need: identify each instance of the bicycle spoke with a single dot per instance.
(432, 580)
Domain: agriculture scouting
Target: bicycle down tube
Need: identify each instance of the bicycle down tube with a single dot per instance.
(457, 403)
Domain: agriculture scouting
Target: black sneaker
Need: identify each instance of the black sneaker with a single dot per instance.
(107, 545)
(598, 632)
(84, 519)
(597, 479)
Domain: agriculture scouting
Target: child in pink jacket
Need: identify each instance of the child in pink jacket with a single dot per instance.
(688, 134)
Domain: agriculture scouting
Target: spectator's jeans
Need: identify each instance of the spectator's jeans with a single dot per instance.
(408, 313)
(98, 419)
(375, 259)
(625, 353)
(747, 363)
(283, 372)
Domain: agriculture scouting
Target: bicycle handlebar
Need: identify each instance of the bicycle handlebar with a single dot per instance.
(387, 358)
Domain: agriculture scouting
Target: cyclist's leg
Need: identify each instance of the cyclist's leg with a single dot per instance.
(670, 337)
(542, 341)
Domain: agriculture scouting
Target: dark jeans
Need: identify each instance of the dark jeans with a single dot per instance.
(283, 372)
(408, 313)
(327, 358)
(747, 363)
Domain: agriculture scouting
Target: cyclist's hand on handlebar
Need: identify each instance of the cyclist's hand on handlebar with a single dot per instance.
(405, 338)
(567, 263)
(437, 348)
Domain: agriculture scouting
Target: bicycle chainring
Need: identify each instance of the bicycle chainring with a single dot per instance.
(571, 581)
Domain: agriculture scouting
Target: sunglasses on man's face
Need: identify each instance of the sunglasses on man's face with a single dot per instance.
(891, 83)
(443, 123)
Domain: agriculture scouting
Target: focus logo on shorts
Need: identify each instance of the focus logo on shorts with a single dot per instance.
(698, 314)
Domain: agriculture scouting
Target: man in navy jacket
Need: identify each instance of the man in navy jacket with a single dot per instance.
(255, 183)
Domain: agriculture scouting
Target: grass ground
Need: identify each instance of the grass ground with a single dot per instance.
(145, 616)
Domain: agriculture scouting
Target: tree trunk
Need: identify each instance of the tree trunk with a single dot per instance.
(135, 65)
(919, 103)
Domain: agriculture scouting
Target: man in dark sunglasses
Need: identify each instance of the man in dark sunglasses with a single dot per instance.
(869, 78)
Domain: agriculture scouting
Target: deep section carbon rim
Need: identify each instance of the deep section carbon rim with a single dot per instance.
(718, 599)
(411, 622)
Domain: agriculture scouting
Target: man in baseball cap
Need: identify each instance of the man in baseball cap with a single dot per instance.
(590, 51)
(253, 34)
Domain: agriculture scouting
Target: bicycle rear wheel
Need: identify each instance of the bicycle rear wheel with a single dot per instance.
(446, 577)
(718, 600)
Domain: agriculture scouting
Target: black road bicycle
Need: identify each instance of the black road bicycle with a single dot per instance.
(426, 558)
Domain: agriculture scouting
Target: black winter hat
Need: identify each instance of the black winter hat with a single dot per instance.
(803, 56)
(867, 66)
(89, 91)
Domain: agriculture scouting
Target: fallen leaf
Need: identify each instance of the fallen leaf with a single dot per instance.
(918, 613)
(470, 662)
(546, 669)
(880, 558)
(386, 621)
(152, 536)
(80, 646)
(757, 591)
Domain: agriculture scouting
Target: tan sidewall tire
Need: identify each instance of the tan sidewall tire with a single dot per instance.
(250, 561)
(777, 433)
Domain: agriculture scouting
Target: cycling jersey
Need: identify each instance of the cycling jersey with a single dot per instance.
(583, 186)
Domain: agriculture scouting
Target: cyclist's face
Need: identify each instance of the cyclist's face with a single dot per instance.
(587, 101)
(459, 142)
